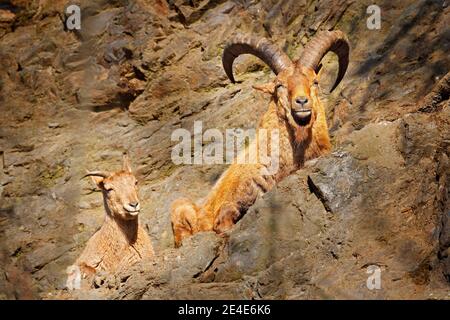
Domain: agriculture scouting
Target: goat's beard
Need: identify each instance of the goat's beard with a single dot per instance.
(302, 134)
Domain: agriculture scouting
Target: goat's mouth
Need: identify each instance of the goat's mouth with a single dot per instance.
(132, 213)
(302, 117)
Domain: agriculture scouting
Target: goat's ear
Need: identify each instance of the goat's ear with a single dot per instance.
(126, 166)
(266, 88)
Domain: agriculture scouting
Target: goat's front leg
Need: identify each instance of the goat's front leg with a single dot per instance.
(228, 215)
(184, 219)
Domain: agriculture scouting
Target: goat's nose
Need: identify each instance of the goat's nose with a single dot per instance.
(134, 204)
(302, 100)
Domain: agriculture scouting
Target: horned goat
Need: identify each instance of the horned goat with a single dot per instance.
(294, 110)
(121, 241)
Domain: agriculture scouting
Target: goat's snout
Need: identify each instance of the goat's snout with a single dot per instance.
(301, 110)
(301, 101)
(132, 208)
(134, 204)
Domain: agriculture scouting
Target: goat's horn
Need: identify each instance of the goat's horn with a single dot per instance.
(102, 174)
(320, 45)
(276, 59)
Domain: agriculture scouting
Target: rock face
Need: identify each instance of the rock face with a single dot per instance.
(138, 70)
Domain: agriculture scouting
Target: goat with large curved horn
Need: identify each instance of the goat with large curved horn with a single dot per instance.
(295, 116)
(276, 59)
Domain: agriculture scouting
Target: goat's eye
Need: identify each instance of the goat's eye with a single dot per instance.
(136, 183)
(279, 86)
(109, 190)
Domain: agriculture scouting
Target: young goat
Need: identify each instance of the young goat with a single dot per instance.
(294, 110)
(121, 240)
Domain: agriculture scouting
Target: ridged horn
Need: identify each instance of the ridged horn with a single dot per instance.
(276, 59)
(320, 45)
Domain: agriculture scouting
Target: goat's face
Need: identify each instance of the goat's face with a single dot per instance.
(120, 191)
(296, 93)
(302, 96)
(121, 195)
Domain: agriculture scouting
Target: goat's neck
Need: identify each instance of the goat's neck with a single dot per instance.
(296, 147)
(315, 142)
(114, 225)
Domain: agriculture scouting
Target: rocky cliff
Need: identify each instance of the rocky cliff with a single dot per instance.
(139, 69)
